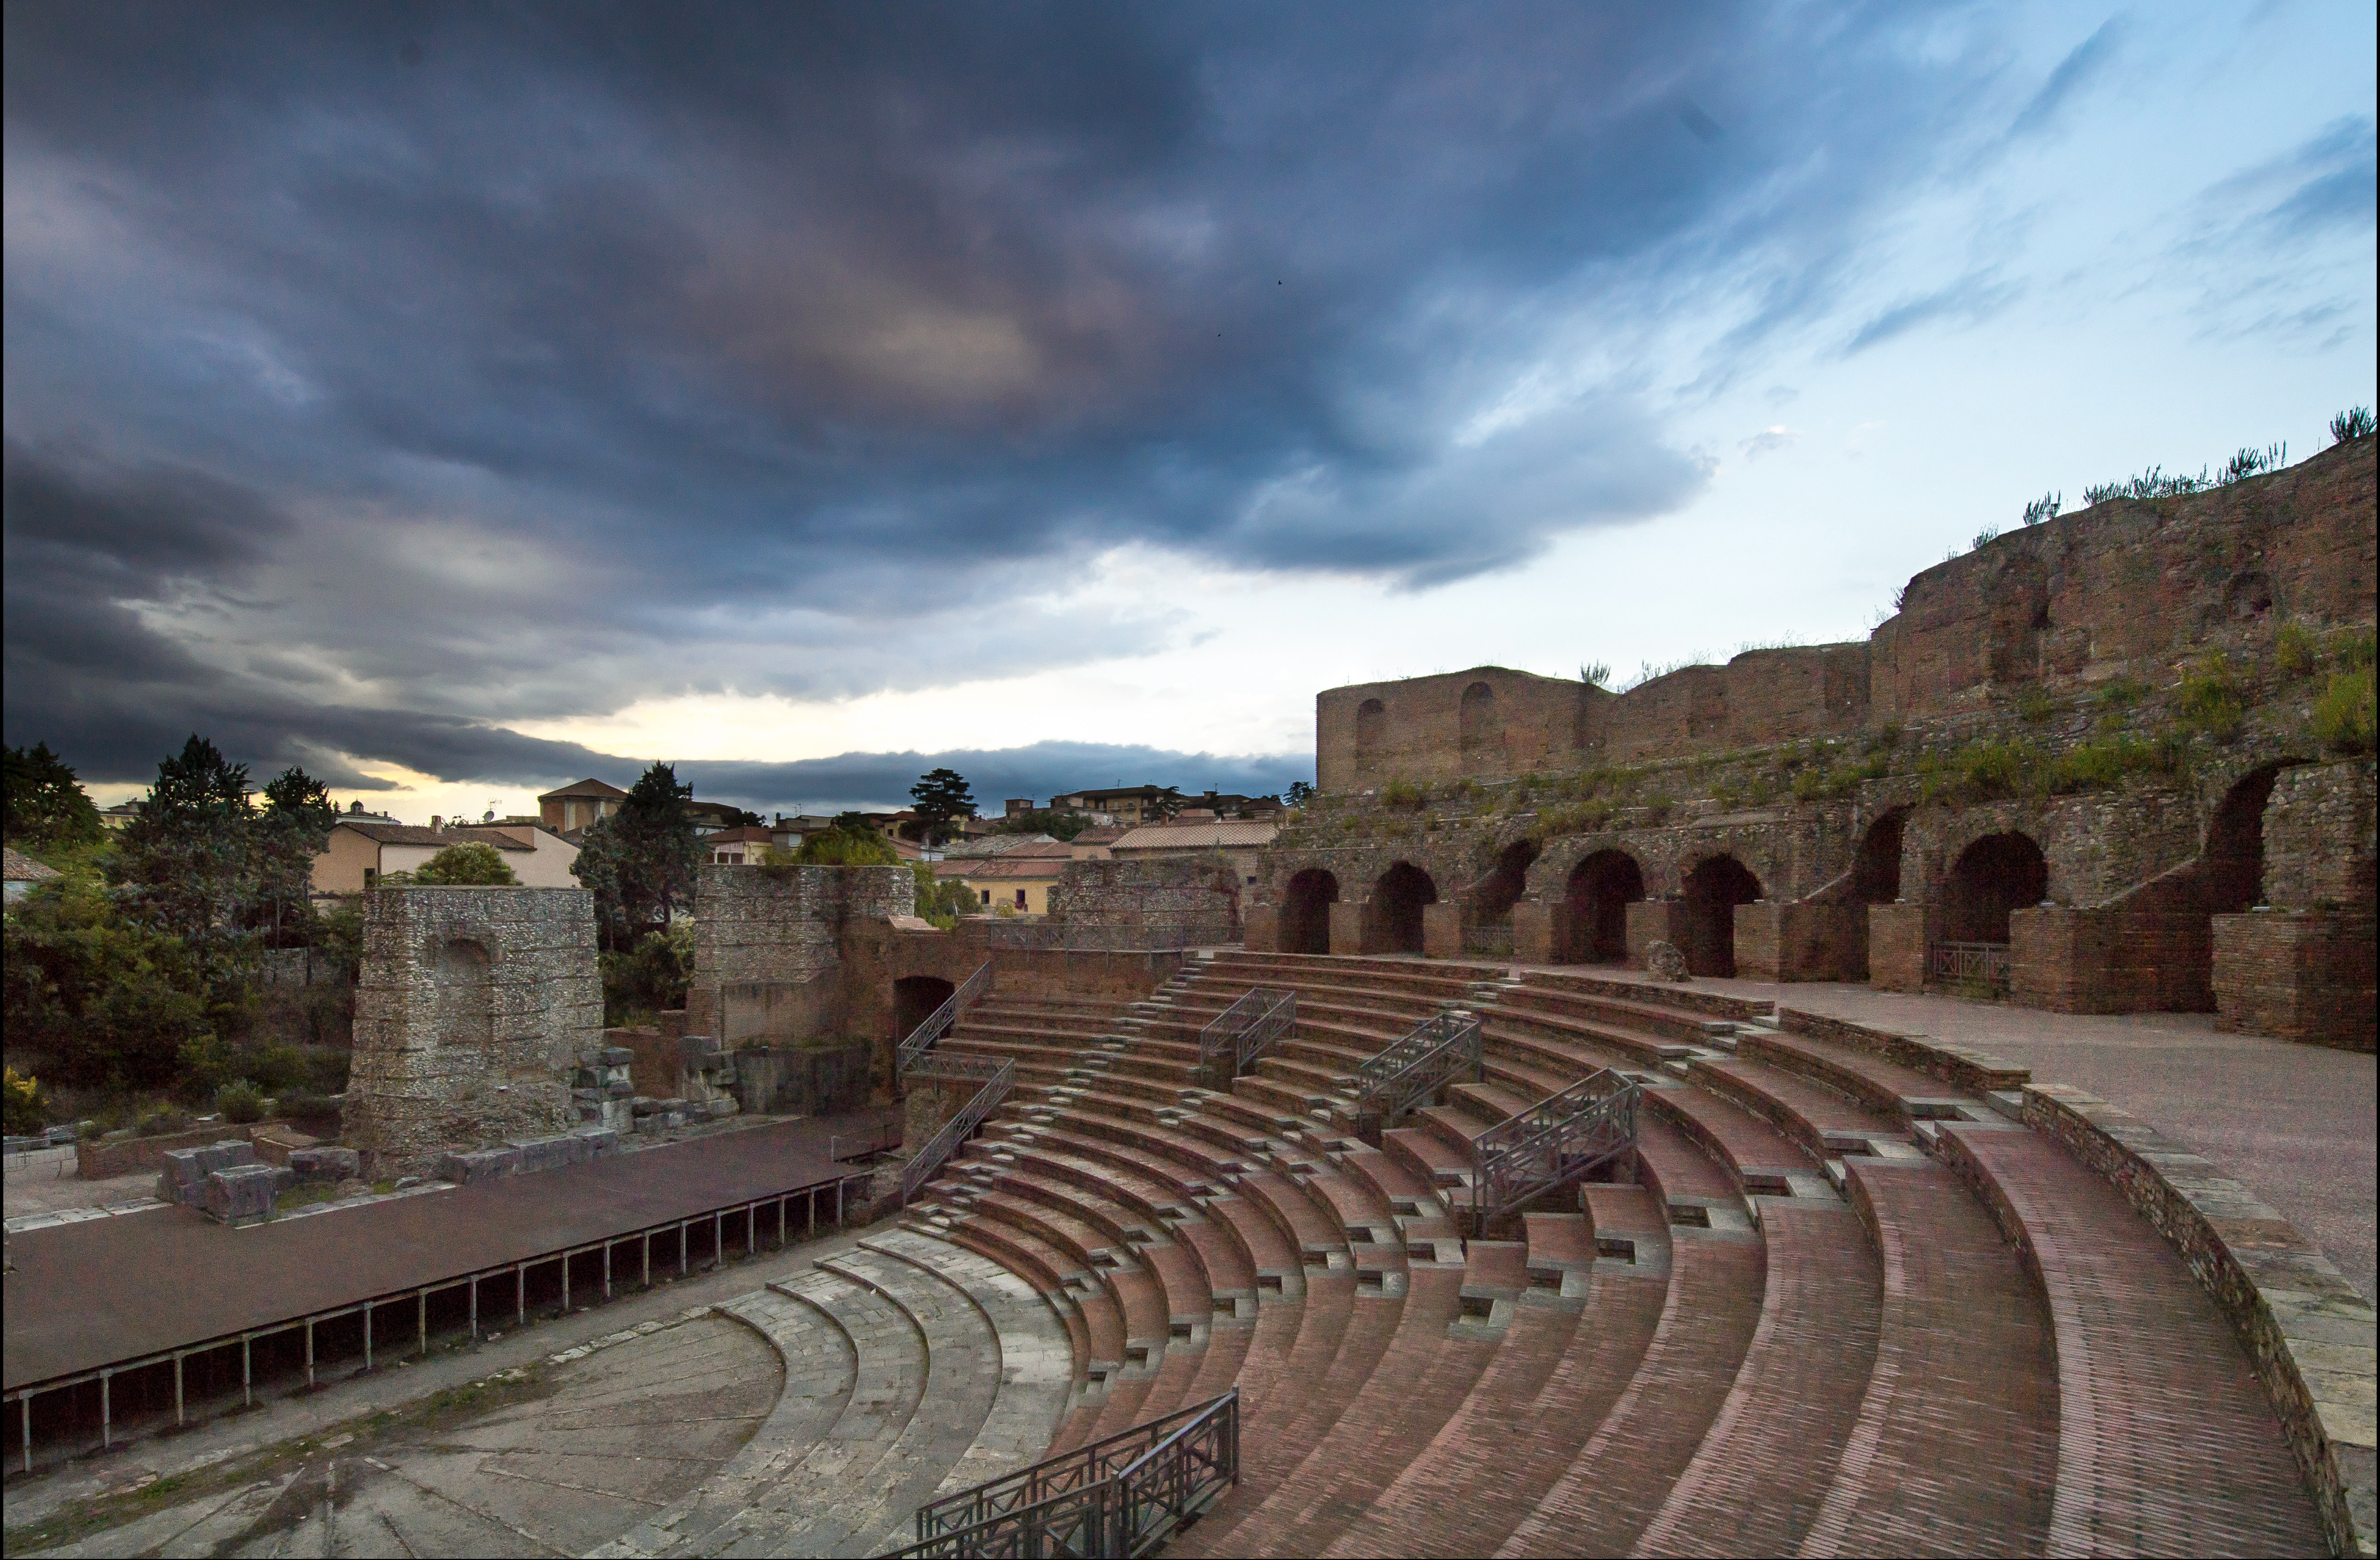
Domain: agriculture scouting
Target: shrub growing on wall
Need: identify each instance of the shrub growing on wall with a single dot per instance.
(467, 866)
(2343, 716)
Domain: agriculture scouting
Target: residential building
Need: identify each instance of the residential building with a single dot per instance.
(23, 872)
(576, 806)
(1092, 843)
(1238, 842)
(359, 854)
(1019, 878)
(745, 846)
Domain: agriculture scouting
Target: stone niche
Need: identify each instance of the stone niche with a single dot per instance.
(474, 1009)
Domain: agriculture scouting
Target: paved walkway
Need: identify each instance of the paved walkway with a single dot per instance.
(2296, 1123)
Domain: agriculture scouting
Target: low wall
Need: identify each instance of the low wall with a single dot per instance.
(2298, 975)
(1959, 1066)
(1800, 941)
(1744, 1009)
(2110, 958)
(2308, 1332)
(804, 1081)
(97, 1160)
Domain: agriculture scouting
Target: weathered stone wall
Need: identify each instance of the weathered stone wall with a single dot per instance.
(768, 947)
(2318, 835)
(1173, 901)
(473, 1008)
(2122, 588)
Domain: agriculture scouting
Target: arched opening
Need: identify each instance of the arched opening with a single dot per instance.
(1397, 900)
(1713, 891)
(2235, 844)
(1482, 733)
(1601, 888)
(1371, 733)
(1998, 874)
(1493, 896)
(465, 995)
(914, 998)
(1305, 912)
(1876, 874)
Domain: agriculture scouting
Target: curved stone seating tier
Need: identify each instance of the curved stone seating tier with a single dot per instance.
(1843, 1306)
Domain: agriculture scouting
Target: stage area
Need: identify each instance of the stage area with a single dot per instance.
(88, 1296)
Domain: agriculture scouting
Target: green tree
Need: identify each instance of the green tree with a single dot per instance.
(294, 830)
(942, 798)
(942, 900)
(1041, 820)
(1298, 794)
(639, 863)
(1167, 803)
(46, 805)
(468, 864)
(853, 841)
(112, 1003)
(185, 866)
(650, 980)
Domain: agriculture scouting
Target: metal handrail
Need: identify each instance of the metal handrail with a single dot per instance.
(928, 1158)
(1416, 1064)
(1246, 1028)
(938, 1022)
(1984, 961)
(1562, 1138)
(1121, 1495)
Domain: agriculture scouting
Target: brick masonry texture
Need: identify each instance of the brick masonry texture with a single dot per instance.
(1164, 904)
(2309, 1334)
(1823, 802)
(473, 1008)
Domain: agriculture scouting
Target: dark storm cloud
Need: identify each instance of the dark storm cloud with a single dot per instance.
(500, 364)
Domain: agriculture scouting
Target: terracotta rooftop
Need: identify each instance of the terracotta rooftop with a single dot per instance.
(584, 788)
(1197, 836)
(22, 868)
(412, 834)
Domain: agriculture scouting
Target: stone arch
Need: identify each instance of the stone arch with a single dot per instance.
(1398, 897)
(1371, 735)
(1994, 875)
(914, 998)
(1715, 887)
(1305, 910)
(1493, 896)
(2234, 850)
(463, 973)
(1875, 871)
(1482, 731)
(1601, 887)
(2017, 613)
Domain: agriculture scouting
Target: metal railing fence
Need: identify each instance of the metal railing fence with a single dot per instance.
(1562, 1138)
(928, 1160)
(1414, 1067)
(1123, 1495)
(1968, 963)
(921, 1039)
(1243, 1030)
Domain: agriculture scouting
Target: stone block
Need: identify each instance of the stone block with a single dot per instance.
(597, 1140)
(698, 1051)
(331, 1164)
(643, 1105)
(184, 1178)
(242, 1194)
(618, 1056)
(481, 1164)
(547, 1154)
(723, 1106)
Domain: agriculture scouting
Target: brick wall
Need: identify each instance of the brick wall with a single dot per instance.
(1897, 938)
(2298, 974)
(2319, 836)
(1177, 901)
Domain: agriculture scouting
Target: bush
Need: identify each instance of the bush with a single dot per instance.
(650, 980)
(2035, 706)
(941, 900)
(162, 1122)
(1404, 794)
(2343, 716)
(20, 1103)
(112, 1002)
(305, 1104)
(845, 847)
(2354, 423)
(2102, 766)
(470, 864)
(240, 1102)
(2207, 699)
(2295, 649)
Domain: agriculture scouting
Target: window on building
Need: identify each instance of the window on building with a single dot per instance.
(1020, 898)
(371, 875)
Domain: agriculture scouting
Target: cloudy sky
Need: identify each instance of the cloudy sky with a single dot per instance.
(461, 400)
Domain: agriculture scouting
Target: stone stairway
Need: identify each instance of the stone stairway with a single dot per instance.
(1838, 1306)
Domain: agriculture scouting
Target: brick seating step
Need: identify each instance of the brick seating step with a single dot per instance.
(1801, 1331)
(2166, 1443)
